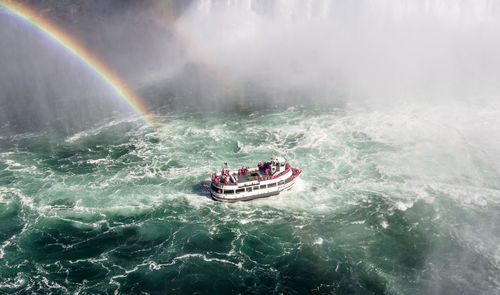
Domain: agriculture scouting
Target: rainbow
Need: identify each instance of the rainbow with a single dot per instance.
(77, 50)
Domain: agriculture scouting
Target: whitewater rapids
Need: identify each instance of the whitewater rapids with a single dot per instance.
(391, 200)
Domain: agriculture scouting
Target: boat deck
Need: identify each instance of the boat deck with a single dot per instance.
(254, 183)
(244, 177)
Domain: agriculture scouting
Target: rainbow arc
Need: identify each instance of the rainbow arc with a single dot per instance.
(78, 51)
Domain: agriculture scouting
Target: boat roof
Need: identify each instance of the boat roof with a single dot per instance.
(277, 159)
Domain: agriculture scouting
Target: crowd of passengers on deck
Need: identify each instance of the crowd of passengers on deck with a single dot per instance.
(263, 167)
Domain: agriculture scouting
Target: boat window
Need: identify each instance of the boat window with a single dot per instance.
(256, 187)
(229, 192)
(249, 189)
(240, 190)
(272, 184)
(263, 186)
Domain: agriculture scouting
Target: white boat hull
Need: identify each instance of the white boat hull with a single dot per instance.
(272, 187)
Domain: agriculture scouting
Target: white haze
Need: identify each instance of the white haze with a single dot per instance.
(429, 69)
(382, 50)
(249, 51)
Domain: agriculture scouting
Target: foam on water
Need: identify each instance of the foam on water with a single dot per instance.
(120, 208)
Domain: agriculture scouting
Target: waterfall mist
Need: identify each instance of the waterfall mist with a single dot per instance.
(341, 51)
(232, 55)
(44, 86)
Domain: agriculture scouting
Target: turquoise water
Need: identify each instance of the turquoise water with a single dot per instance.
(399, 200)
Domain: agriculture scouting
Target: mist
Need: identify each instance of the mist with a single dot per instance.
(240, 55)
(43, 86)
(339, 50)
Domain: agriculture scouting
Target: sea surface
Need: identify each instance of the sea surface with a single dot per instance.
(401, 199)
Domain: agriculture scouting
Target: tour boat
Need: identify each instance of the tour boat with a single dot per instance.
(267, 179)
